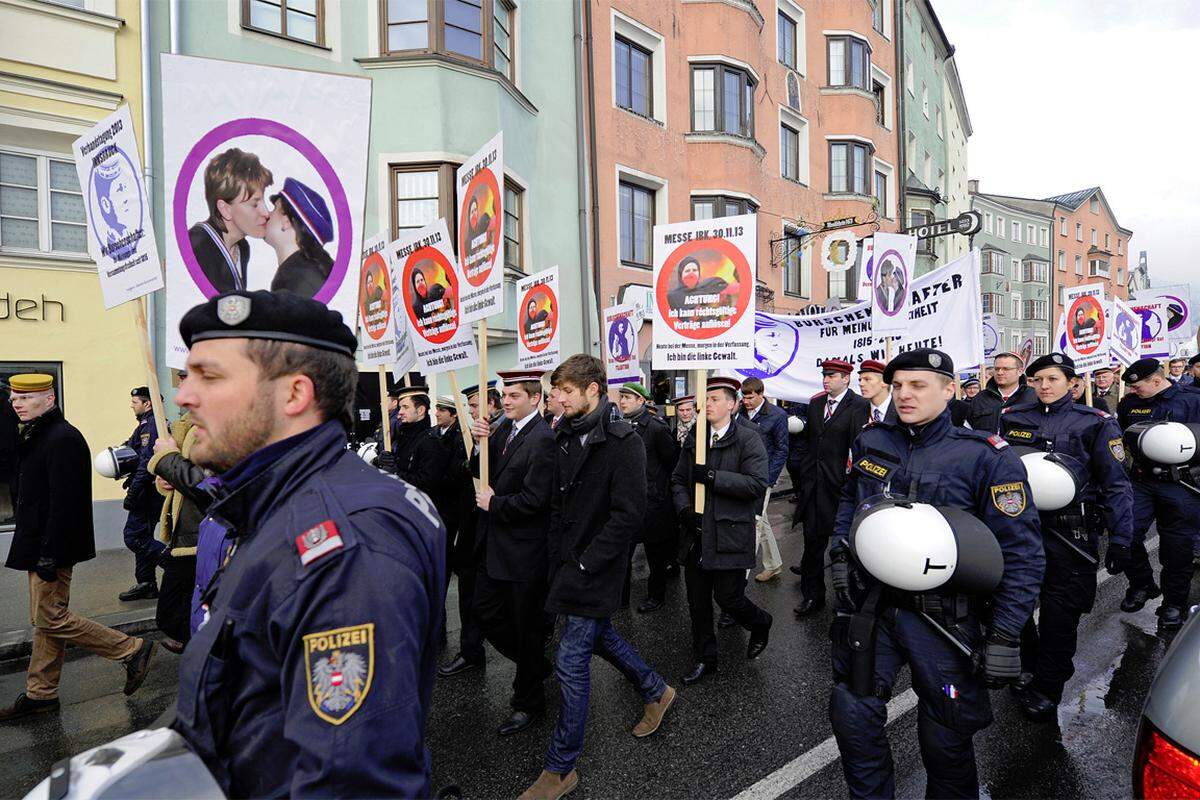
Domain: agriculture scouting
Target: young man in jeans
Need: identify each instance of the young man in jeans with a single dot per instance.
(597, 502)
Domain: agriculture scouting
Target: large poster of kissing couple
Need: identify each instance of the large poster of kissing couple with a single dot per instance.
(264, 183)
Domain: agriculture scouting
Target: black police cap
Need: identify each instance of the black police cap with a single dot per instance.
(278, 316)
(924, 359)
(1194, 360)
(140, 391)
(1063, 362)
(1141, 369)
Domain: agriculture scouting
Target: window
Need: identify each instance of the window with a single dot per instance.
(1016, 231)
(881, 193)
(908, 76)
(1044, 238)
(1033, 272)
(785, 28)
(636, 214)
(879, 91)
(1014, 273)
(1079, 231)
(1120, 247)
(1078, 265)
(1098, 268)
(910, 152)
(41, 206)
(925, 100)
(722, 100)
(476, 30)
(513, 200)
(992, 263)
(1062, 226)
(849, 62)
(941, 130)
(797, 273)
(789, 152)
(301, 20)
(917, 219)
(633, 68)
(877, 12)
(993, 303)
(1094, 204)
(1062, 294)
(849, 167)
(1093, 237)
(1000, 229)
(712, 206)
(1031, 234)
(1062, 261)
(1041, 344)
(927, 169)
(1106, 241)
(838, 284)
(987, 222)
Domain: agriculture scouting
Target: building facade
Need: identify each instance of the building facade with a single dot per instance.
(1090, 246)
(52, 317)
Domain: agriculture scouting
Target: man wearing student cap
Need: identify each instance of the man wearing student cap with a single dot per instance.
(325, 619)
(495, 414)
(1104, 393)
(876, 392)
(928, 460)
(448, 488)
(299, 228)
(970, 388)
(685, 417)
(510, 589)
(835, 417)
(142, 501)
(1159, 497)
(1090, 441)
(417, 455)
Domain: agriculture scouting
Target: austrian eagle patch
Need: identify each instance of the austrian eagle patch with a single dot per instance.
(339, 665)
(1117, 448)
(1009, 498)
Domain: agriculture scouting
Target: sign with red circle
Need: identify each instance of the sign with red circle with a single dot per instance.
(1085, 325)
(480, 182)
(538, 320)
(375, 296)
(430, 290)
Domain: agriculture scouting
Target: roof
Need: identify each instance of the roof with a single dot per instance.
(1035, 257)
(1074, 200)
(1023, 205)
(960, 99)
(991, 247)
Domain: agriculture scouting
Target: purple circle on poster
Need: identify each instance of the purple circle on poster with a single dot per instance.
(251, 126)
(903, 287)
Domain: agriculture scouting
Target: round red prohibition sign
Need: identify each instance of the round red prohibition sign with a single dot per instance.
(539, 318)
(479, 227)
(1085, 325)
(430, 292)
(375, 296)
(704, 288)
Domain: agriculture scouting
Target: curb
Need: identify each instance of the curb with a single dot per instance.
(19, 644)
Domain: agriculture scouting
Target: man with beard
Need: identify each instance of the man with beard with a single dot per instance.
(1006, 388)
(416, 455)
(426, 299)
(478, 225)
(598, 502)
(657, 532)
(533, 316)
(510, 589)
(324, 620)
(689, 287)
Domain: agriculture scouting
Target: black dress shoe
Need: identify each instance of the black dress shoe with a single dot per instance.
(1170, 618)
(137, 666)
(517, 722)
(1136, 597)
(140, 591)
(458, 666)
(702, 668)
(724, 621)
(809, 606)
(1036, 707)
(25, 706)
(649, 604)
(758, 640)
(1024, 681)
(796, 571)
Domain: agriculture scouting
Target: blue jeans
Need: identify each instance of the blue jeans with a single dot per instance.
(139, 538)
(582, 637)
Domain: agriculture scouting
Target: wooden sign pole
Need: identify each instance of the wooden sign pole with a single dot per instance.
(483, 400)
(156, 403)
(1087, 388)
(386, 424)
(462, 414)
(701, 380)
(1120, 389)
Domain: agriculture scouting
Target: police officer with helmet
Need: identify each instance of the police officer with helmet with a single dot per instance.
(1163, 493)
(324, 620)
(1075, 463)
(923, 460)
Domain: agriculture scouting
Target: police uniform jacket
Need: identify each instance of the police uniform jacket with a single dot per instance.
(727, 528)
(1091, 437)
(313, 675)
(140, 494)
(512, 531)
(54, 495)
(1173, 404)
(420, 458)
(597, 504)
(771, 421)
(945, 465)
(662, 452)
(983, 414)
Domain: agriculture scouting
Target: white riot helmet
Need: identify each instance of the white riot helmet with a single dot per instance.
(795, 424)
(917, 547)
(1168, 443)
(116, 462)
(1055, 479)
(369, 452)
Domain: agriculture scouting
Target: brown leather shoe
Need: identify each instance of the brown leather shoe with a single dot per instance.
(551, 786)
(652, 717)
(25, 706)
(137, 665)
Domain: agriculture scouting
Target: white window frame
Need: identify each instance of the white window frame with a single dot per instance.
(941, 126)
(796, 14)
(908, 77)
(806, 258)
(654, 183)
(1016, 230)
(797, 122)
(889, 99)
(1078, 265)
(1044, 236)
(925, 99)
(1062, 261)
(1094, 237)
(1062, 226)
(988, 222)
(890, 180)
(650, 40)
(1079, 231)
(45, 237)
(1030, 233)
(1001, 231)
(1120, 246)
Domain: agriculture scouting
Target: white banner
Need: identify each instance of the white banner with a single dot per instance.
(1125, 339)
(120, 230)
(1181, 322)
(621, 349)
(704, 274)
(480, 182)
(1154, 316)
(260, 191)
(1086, 326)
(895, 256)
(537, 320)
(944, 313)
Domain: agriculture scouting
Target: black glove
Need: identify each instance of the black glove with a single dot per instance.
(129, 504)
(1117, 558)
(46, 569)
(839, 566)
(386, 462)
(702, 474)
(690, 520)
(1001, 660)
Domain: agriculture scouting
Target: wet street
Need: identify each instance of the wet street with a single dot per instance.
(756, 729)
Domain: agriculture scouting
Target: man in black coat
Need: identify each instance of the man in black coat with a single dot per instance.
(719, 546)
(510, 590)
(1006, 388)
(659, 532)
(54, 533)
(598, 502)
(771, 422)
(834, 419)
(142, 501)
(416, 456)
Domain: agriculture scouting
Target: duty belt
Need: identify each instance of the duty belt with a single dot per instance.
(948, 607)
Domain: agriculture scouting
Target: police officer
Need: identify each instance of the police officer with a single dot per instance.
(1158, 497)
(929, 460)
(417, 455)
(1070, 537)
(324, 619)
(142, 501)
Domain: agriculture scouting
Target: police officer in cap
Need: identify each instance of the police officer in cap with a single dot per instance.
(1159, 497)
(1091, 442)
(324, 619)
(417, 455)
(142, 501)
(927, 459)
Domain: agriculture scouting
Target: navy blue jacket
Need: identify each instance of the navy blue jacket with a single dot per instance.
(313, 675)
(1092, 438)
(946, 465)
(1175, 404)
(772, 424)
(141, 491)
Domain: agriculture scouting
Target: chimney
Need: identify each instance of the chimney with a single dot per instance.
(973, 186)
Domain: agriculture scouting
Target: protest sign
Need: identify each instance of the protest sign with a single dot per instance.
(1126, 338)
(538, 323)
(621, 325)
(1086, 327)
(376, 329)
(260, 192)
(120, 231)
(944, 313)
(866, 269)
(704, 273)
(480, 182)
(895, 257)
(1181, 323)
(1154, 316)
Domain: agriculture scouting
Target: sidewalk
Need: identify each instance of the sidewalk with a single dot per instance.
(95, 585)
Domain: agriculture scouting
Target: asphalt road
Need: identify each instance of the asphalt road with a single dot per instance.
(757, 729)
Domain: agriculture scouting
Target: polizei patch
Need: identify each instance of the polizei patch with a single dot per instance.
(873, 468)
(1009, 498)
(339, 665)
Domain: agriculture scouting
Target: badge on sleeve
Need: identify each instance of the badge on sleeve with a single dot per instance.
(1117, 448)
(997, 442)
(339, 665)
(317, 541)
(1009, 498)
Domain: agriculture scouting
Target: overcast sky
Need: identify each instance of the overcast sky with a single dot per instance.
(1069, 94)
